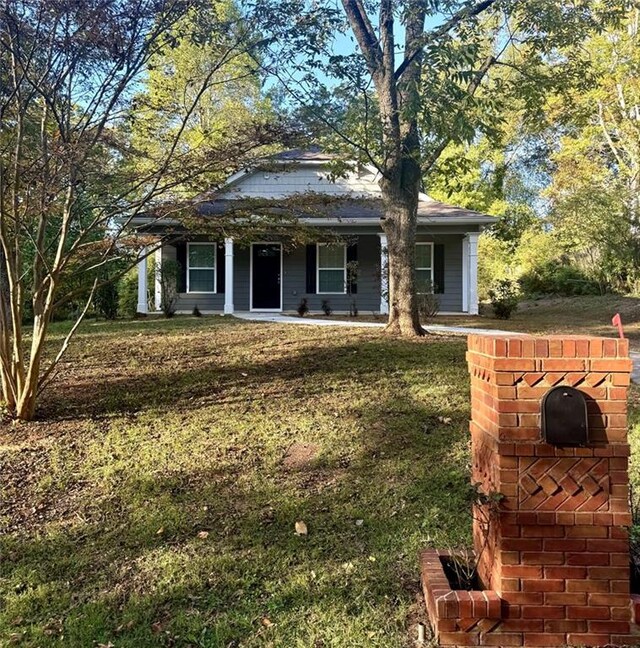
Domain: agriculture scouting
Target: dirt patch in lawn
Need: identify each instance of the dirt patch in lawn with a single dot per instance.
(300, 455)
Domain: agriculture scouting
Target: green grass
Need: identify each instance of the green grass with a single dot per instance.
(159, 431)
(154, 502)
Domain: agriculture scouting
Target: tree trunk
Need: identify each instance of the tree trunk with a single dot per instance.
(400, 193)
(6, 394)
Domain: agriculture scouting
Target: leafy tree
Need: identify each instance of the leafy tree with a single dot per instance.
(71, 175)
(594, 194)
(203, 88)
(423, 77)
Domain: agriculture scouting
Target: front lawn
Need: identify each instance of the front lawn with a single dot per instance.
(155, 503)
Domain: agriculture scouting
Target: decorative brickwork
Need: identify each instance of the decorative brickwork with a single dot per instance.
(557, 554)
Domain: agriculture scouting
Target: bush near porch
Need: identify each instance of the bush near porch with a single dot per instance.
(155, 503)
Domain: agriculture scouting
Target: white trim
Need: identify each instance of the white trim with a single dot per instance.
(333, 222)
(473, 272)
(228, 276)
(215, 269)
(143, 304)
(344, 268)
(384, 275)
(264, 310)
(465, 274)
(157, 281)
(431, 245)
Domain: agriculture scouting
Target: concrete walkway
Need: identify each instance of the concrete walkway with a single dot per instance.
(279, 318)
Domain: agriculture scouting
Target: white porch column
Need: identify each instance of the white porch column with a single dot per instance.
(157, 285)
(143, 306)
(465, 274)
(228, 276)
(473, 272)
(384, 275)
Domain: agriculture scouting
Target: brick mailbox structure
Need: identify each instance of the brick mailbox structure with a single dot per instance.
(554, 557)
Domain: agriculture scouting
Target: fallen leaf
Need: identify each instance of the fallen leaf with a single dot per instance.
(203, 534)
(301, 528)
(160, 531)
(266, 622)
(359, 522)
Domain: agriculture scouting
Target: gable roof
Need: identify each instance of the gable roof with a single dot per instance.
(355, 198)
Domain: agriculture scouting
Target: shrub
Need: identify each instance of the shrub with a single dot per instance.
(428, 303)
(326, 307)
(303, 307)
(504, 298)
(128, 294)
(167, 276)
(556, 278)
(105, 300)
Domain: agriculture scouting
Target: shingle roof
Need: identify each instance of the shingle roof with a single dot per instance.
(313, 153)
(352, 210)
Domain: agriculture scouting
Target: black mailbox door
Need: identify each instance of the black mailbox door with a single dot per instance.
(564, 417)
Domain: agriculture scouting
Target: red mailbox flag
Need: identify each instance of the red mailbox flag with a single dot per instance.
(617, 321)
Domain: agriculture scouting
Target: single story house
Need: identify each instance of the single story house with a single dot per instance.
(265, 276)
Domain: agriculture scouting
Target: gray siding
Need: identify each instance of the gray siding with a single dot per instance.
(451, 299)
(294, 278)
(368, 296)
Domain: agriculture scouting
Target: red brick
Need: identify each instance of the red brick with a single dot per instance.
(565, 572)
(588, 586)
(588, 639)
(588, 559)
(519, 571)
(564, 544)
(458, 639)
(621, 365)
(587, 612)
(502, 639)
(565, 598)
(544, 639)
(543, 557)
(557, 364)
(608, 599)
(608, 572)
(523, 625)
(609, 626)
(608, 545)
(542, 612)
(514, 348)
(545, 585)
(541, 348)
(556, 625)
(522, 544)
(582, 531)
(555, 348)
(525, 598)
(595, 348)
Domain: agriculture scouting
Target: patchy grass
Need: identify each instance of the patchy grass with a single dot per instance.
(155, 502)
(588, 315)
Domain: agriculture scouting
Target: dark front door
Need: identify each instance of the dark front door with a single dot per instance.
(265, 276)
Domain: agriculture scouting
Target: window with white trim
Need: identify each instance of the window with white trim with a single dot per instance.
(424, 268)
(201, 268)
(332, 269)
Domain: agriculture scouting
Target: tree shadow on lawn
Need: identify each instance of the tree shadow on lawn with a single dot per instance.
(218, 382)
(140, 575)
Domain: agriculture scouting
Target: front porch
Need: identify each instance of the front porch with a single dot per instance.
(271, 277)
